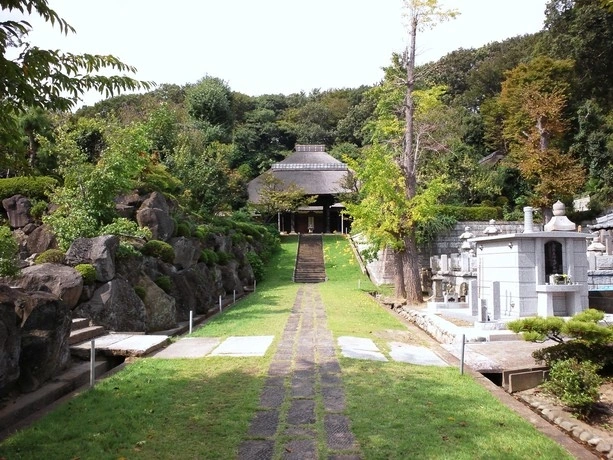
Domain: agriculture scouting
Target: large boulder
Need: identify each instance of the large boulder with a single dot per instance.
(160, 308)
(126, 205)
(10, 340)
(115, 306)
(17, 208)
(45, 334)
(63, 281)
(41, 239)
(154, 214)
(229, 277)
(195, 289)
(99, 251)
(187, 252)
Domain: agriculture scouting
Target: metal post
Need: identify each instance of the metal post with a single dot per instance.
(92, 364)
(462, 355)
(234, 296)
(191, 318)
(254, 285)
(220, 304)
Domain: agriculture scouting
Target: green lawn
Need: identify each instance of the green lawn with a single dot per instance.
(202, 408)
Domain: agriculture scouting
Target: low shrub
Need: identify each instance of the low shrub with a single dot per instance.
(579, 350)
(127, 250)
(164, 283)
(208, 257)
(473, 213)
(256, 265)
(33, 187)
(184, 229)
(141, 291)
(160, 249)
(8, 253)
(223, 257)
(575, 383)
(125, 227)
(50, 256)
(38, 208)
(88, 272)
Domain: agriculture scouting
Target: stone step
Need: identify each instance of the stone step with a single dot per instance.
(79, 323)
(86, 333)
(121, 344)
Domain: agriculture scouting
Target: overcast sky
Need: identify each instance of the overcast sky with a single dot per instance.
(273, 46)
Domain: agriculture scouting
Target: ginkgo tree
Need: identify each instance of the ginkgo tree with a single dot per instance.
(49, 79)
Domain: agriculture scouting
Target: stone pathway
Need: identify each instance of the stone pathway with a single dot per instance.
(302, 393)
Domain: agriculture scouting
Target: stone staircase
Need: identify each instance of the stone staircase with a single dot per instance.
(310, 267)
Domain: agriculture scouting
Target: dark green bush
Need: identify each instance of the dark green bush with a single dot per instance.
(256, 265)
(164, 283)
(141, 291)
(160, 249)
(575, 383)
(51, 256)
(88, 272)
(223, 257)
(208, 257)
(184, 229)
(38, 208)
(8, 253)
(475, 213)
(33, 187)
(581, 351)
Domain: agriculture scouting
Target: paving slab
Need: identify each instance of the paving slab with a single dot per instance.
(136, 345)
(497, 356)
(189, 347)
(244, 346)
(414, 354)
(360, 348)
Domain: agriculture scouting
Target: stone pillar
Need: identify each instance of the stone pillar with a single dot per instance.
(496, 299)
(437, 288)
(482, 311)
(528, 220)
(444, 263)
(473, 298)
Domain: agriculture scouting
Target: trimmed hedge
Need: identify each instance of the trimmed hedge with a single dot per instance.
(32, 187)
(160, 249)
(88, 272)
(50, 256)
(476, 213)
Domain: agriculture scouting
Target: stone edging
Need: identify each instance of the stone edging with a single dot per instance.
(577, 429)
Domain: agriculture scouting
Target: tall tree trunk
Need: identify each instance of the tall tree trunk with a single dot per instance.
(408, 164)
(400, 291)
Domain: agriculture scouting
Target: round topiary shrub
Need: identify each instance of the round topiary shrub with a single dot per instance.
(50, 256)
(184, 229)
(160, 249)
(164, 283)
(140, 292)
(223, 257)
(88, 272)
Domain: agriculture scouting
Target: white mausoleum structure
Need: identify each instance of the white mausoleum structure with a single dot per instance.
(533, 273)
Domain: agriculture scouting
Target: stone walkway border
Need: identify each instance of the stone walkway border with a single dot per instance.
(303, 392)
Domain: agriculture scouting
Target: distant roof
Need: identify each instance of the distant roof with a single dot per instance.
(603, 223)
(310, 168)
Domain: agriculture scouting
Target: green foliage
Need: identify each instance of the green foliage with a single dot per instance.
(38, 208)
(470, 213)
(127, 250)
(88, 272)
(539, 329)
(256, 265)
(576, 384)
(159, 249)
(50, 256)
(125, 227)
(223, 257)
(32, 187)
(184, 229)
(582, 351)
(141, 292)
(209, 257)
(277, 196)
(86, 201)
(49, 79)
(164, 283)
(8, 253)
